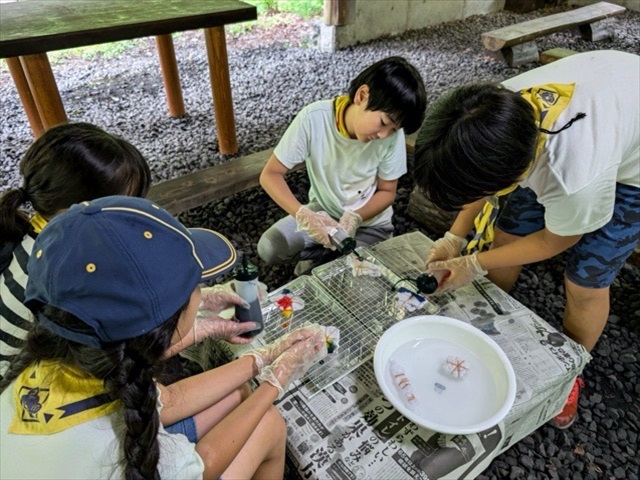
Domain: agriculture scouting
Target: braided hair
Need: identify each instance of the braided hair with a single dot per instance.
(127, 368)
(68, 164)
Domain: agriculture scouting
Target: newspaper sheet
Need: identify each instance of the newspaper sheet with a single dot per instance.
(349, 430)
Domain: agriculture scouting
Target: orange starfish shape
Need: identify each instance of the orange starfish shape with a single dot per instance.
(456, 366)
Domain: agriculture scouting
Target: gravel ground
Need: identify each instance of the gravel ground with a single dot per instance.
(272, 78)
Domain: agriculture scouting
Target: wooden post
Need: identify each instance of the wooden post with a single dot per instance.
(221, 89)
(336, 12)
(170, 75)
(44, 90)
(24, 92)
(554, 54)
(517, 55)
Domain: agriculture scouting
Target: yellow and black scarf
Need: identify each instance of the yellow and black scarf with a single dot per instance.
(340, 105)
(50, 397)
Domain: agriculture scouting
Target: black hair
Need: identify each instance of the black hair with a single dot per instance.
(395, 88)
(128, 369)
(475, 141)
(68, 164)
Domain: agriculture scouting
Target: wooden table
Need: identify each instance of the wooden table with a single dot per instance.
(30, 29)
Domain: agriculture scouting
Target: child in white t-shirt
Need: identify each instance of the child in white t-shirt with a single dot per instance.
(354, 151)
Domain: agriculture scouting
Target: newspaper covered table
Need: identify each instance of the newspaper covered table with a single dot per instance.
(340, 426)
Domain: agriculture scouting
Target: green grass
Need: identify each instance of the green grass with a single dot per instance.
(304, 8)
(106, 50)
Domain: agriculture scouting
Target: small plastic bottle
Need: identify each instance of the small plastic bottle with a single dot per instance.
(246, 283)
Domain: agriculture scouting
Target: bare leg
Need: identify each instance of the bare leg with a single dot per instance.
(586, 313)
(505, 278)
(210, 417)
(263, 454)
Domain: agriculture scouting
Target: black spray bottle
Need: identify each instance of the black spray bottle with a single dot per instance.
(246, 283)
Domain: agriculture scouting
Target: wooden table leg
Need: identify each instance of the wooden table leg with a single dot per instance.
(170, 75)
(221, 89)
(43, 88)
(24, 92)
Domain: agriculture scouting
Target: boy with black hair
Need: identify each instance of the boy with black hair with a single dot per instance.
(564, 142)
(354, 150)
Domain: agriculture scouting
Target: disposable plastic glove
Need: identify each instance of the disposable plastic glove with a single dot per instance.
(446, 248)
(464, 270)
(210, 323)
(350, 222)
(266, 355)
(294, 362)
(316, 225)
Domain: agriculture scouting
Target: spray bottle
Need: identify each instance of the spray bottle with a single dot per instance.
(246, 283)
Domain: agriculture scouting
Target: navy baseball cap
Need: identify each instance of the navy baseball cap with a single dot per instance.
(122, 265)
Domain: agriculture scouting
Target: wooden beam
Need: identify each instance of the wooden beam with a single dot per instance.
(554, 54)
(24, 92)
(170, 75)
(221, 89)
(336, 12)
(42, 84)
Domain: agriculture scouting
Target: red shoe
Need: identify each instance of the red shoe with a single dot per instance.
(569, 413)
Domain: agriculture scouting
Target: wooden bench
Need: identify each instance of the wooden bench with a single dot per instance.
(516, 43)
(213, 183)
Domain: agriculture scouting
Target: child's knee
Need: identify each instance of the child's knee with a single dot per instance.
(266, 249)
(276, 424)
(273, 248)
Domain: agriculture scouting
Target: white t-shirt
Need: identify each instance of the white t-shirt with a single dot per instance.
(89, 450)
(575, 176)
(342, 171)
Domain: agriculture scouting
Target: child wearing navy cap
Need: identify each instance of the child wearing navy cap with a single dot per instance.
(113, 285)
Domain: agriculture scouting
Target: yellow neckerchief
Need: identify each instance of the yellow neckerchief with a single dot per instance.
(340, 105)
(50, 397)
(38, 222)
(548, 102)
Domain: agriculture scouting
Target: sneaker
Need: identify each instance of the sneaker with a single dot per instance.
(304, 267)
(569, 413)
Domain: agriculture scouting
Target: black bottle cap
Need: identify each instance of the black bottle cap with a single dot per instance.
(348, 245)
(426, 283)
(246, 271)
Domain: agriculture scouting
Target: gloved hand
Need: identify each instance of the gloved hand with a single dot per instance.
(446, 248)
(293, 363)
(266, 355)
(464, 270)
(316, 224)
(209, 322)
(350, 222)
(223, 329)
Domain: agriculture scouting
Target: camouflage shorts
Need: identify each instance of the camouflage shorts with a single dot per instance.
(597, 258)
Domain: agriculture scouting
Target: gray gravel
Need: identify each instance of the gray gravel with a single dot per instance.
(270, 84)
